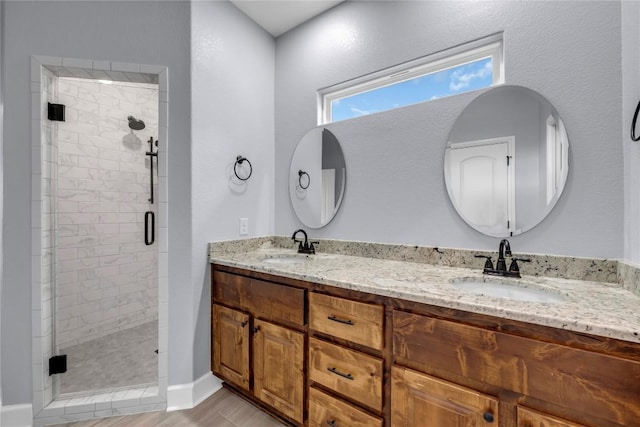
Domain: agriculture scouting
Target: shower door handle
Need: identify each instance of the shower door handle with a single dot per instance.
(149, 238)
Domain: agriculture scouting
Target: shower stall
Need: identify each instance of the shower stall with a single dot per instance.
(102, 217)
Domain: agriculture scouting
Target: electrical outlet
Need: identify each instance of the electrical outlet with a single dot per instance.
(244, 226)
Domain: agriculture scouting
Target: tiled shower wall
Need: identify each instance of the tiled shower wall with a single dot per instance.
(106, 277)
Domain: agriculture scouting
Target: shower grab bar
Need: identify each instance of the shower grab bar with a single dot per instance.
(149, 239)
(151, 155)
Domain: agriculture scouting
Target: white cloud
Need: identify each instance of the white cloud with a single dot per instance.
(360, 112)
(460, 79)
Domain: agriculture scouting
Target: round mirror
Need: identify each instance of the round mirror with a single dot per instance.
(506, 161)
(317, 178)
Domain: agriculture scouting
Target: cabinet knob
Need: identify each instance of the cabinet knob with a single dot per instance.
(256, 329)
(332, 423)
(243, 324)
(488, 417)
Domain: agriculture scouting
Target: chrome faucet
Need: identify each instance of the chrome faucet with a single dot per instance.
(504, 249)
(304, 246)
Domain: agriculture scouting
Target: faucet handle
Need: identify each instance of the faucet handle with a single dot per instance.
(488, 264)
(514, 264)
(312, 248)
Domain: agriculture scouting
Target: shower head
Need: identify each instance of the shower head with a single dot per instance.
(135, 124)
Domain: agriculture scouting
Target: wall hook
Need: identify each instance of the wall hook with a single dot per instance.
(240, 160)
(302, 173)
(633, 124)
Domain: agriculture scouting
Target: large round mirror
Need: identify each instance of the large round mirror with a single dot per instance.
(317, 178)
(506, 161)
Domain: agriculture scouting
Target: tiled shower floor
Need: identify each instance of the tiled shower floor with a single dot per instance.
(123, 359)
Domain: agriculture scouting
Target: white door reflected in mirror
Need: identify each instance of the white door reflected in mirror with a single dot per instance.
(482, 181)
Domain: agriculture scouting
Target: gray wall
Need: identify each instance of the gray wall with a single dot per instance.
(145, 32)
(569, 52)
(232, 72)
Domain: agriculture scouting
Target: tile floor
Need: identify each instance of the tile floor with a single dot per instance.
(120, 360)
(222, 409)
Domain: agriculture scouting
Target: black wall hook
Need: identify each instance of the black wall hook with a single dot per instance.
(240, 160)
(302, 173)
(633, 124)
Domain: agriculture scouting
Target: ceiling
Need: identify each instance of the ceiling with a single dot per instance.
(278, 17)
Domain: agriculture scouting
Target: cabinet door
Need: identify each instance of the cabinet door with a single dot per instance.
(416, 397)
(529, 418)
(231, 345)
(278, 374)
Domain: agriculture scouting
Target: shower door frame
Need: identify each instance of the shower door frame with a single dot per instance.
(46, 407)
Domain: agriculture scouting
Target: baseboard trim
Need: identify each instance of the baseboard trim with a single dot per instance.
(16, 415)
(187, 396)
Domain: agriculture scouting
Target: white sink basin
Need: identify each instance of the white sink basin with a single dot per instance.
(285, 259)
(517, 291)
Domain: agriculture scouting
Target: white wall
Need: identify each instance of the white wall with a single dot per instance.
(232, 75)
(630, 99)
(569, 52)
(145, 32)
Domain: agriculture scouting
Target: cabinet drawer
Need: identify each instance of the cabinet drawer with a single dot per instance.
(354, 321)
(348, 372)
(263, 299)
(325, 410)
(602, 386)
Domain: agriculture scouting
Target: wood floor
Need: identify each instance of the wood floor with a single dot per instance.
(223, 409)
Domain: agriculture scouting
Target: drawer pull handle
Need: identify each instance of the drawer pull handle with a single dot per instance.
(335, 371)
(332, 423)
(345, 322)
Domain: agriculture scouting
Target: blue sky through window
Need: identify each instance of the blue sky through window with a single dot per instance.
(459, 79)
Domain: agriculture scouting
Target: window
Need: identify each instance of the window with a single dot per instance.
(468, 67)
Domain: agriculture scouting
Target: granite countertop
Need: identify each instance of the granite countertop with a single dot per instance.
(603, 309)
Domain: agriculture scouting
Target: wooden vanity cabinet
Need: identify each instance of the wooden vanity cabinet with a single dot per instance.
(316, 355)
(258, 342)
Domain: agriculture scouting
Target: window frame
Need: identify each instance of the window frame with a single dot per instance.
(491, 46)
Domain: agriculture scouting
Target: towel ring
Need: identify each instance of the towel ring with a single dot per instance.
(301, 173)
(240, 160)
(633, 124)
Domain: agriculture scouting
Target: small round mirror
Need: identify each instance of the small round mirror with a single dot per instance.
(317, 178)
(506, 161)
